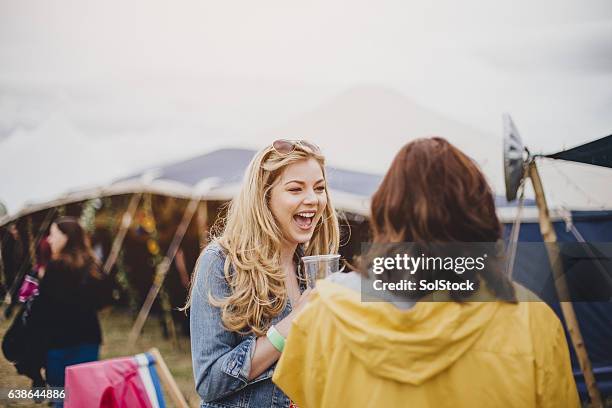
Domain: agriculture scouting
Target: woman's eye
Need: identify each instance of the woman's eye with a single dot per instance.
(295, 189)
(320, 188)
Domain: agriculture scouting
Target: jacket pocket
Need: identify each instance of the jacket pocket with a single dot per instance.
(239, 399)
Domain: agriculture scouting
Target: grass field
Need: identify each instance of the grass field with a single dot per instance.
(116, 324)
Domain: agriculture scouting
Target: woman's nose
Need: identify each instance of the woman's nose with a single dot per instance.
(311, 197)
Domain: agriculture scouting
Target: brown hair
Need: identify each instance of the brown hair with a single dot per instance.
(434, 193)
(77, 252)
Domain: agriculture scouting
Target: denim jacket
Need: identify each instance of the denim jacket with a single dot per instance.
(221, 358)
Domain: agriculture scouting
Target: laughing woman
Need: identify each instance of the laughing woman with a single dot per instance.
(247, 287)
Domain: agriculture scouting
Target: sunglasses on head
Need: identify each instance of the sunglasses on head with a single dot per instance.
(284, 146)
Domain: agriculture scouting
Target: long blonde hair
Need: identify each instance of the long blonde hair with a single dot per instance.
(252, 239)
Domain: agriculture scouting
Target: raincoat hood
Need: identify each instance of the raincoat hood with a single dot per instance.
(408, 346)
(344, 352)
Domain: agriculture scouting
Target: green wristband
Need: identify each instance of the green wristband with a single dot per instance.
(277, 339)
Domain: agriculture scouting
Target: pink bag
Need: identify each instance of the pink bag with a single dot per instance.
(29, 288)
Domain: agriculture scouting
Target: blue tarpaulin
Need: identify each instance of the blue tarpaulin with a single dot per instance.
(594, 318)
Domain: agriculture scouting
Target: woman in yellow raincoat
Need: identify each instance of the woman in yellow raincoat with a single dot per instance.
(414, 352)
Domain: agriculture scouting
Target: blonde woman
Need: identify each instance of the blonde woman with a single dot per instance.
(248, 287)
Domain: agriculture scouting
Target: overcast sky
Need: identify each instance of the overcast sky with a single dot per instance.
(109, 87)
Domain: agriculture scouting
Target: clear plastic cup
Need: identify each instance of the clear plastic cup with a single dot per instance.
(320, 267)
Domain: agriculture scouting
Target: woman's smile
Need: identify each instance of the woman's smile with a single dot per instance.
(304, 219)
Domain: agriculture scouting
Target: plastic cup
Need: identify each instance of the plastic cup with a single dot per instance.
(319, 267)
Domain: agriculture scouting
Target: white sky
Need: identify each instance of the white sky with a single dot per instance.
(90, 90)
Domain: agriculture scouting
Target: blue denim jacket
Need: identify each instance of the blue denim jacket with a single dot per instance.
(222, 359)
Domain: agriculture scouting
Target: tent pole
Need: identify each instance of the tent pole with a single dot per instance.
(202, 222)
(550, 239)
(126, 221)
(162, 270)
(516, 227)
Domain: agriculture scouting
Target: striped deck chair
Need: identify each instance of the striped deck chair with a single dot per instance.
(121, 382)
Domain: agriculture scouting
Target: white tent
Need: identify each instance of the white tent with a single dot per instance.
(365, 126)
(360, 129)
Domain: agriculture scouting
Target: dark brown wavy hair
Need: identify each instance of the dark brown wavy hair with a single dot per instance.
(77, 252)
(434, 193)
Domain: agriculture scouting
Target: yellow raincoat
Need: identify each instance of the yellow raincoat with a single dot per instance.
(342, 352)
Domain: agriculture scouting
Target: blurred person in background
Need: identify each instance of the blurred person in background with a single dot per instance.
(20, 344)
(419, 352)
(248, 286)
(14, 255)
(64, 314)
